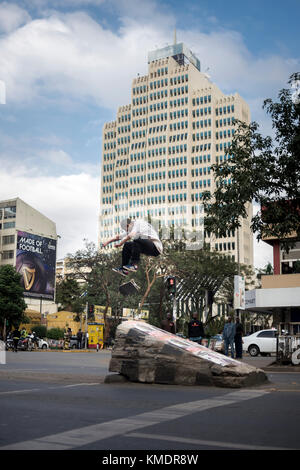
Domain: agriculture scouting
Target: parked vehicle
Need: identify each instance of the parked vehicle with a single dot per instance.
(217, 343)
(43, 344)
(73, 342)
(262, 342)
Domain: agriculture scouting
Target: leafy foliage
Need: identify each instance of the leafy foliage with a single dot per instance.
(196, 271)
(68, 295)
(261, 170)
(55, 333)
(204, 270)
(41, 331)
(12, 304)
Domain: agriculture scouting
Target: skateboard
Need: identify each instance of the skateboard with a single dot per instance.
(129, 287)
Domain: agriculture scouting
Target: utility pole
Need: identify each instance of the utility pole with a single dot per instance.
(175, 311)
(84, 294)
(206, 305)
(86, 316)
(237, 312)
(171, 286)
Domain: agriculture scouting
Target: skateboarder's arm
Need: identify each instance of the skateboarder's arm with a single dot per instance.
(125, 239)
(117, 237)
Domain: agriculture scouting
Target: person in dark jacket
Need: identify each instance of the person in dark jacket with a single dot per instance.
(195, 329)
(238, 339)
(168, 324)
(16, 336)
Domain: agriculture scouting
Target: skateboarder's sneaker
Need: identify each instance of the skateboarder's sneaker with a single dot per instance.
(121, 271)
(130, 267)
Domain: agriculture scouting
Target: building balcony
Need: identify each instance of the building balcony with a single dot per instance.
(278, 281)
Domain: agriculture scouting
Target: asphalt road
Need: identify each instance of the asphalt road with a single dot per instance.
(59, 401)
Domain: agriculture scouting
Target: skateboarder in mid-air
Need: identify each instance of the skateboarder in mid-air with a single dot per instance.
(137, 237)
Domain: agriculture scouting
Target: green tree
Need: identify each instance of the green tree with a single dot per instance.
(41, 331)
(93, 269)
(55, 333)
(204, 270)
(266, 270)
(12, 304)
(261, 170)
(68, 295)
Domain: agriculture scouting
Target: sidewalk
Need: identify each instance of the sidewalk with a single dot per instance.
(268, 364)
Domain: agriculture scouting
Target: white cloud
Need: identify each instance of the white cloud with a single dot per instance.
(57, 157)
(71, 56)
(2, 92)
(263, 253)
(63, 4)
(11, 17)
(69, 201)
(234, 68)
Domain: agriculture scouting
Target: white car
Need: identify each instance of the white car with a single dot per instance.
(262, 342)
(43, 344)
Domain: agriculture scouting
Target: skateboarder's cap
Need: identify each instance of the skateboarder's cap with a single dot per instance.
(124, 223)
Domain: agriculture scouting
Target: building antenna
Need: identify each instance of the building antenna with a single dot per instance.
(175, 39)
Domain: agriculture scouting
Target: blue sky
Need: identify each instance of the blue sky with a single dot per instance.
(68, 64)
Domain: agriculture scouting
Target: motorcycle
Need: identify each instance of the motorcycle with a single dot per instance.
(34, 341)
(9, 344)
(25, 344)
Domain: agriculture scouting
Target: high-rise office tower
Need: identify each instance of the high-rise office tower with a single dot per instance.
(157, 154)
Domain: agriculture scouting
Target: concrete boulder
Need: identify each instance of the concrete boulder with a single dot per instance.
(144, 353)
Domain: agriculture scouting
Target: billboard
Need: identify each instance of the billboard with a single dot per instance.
(250, 299)
(36, 262)
(239, 293)
(134, 313)
(99, 313)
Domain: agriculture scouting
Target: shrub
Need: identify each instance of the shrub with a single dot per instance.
(41, 331)
(55, 333)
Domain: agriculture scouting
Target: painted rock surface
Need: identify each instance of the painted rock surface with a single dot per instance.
(144, 353)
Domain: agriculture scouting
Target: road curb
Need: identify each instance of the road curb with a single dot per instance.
(76, 350)
(282, 369)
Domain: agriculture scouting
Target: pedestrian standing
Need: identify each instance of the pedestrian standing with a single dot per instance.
(195, 329)
(79, 339)
(238, 339)
(228, 336)
(168, 324)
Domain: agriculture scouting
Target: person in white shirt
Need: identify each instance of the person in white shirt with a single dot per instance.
(137, 237)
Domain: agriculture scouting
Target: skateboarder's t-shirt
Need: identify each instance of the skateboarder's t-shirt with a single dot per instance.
(142, 229)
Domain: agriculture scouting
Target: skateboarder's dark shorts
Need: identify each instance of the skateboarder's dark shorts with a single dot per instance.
(132, 250)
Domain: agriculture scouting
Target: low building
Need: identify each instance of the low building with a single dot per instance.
(65, 271)
(28, 242)
(63, 320)
(34, 318)
(280, 293)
